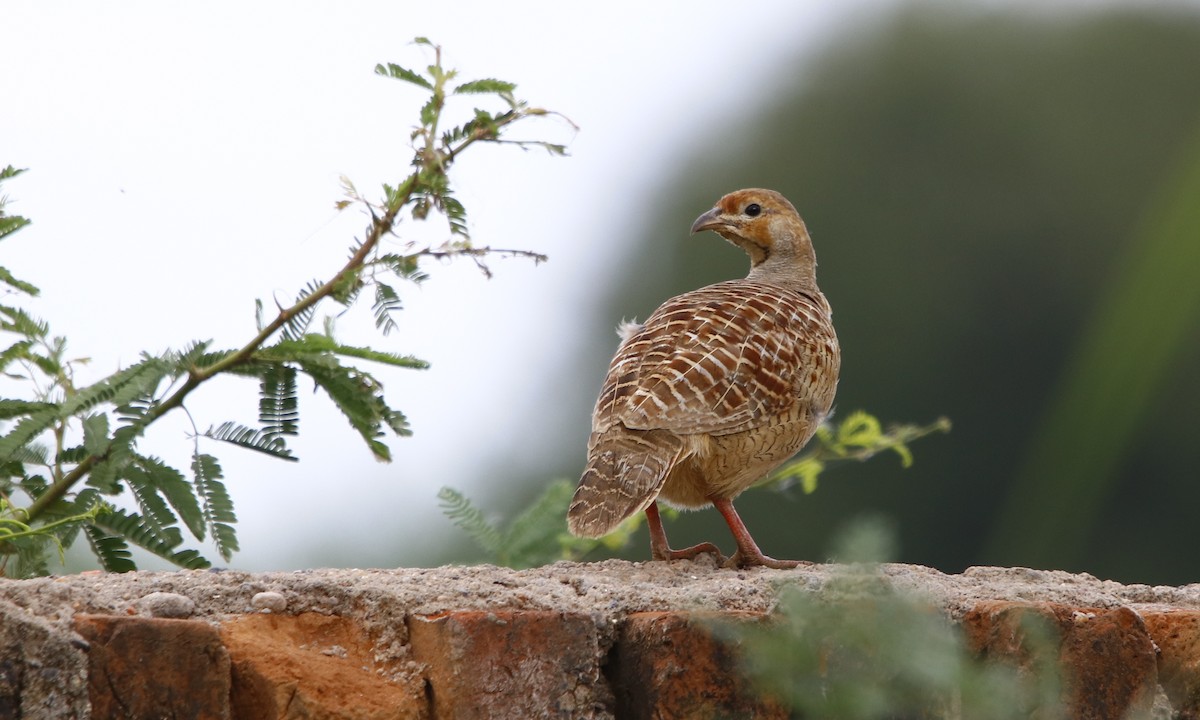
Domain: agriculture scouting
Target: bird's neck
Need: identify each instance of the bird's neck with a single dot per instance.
(793, 271)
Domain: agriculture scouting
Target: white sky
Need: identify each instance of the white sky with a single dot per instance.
(185, 158)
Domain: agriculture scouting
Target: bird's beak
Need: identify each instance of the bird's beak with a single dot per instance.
(710, 220)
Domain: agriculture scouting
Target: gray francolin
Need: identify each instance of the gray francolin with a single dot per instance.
(717, 388)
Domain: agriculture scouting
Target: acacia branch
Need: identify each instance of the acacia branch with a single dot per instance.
(426, 188)
(381, 225)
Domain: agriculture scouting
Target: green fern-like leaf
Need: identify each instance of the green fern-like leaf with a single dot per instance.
(393, 70)
(483, 126)
(398, 422)
(384, 358)
(459, 510)
(9, 172)
(386, 303)
(111, 550)
(9, 225)
(136, 381)
(319, 349)
(539, 534)
(32, 454)
(95, 433)
(32, 485)
(50, 364)
(225, 537)
(25, 431)
(455, 213)
(157, 516)
(247, 368)
(532, 537)
(486, 85)
(17, 321)
(31, 560)
(10, 409)
(297, 326)
(395, 198)
(177, 491)
(73, 455)
(347, 287)
(407, 267)
(251, 439)
(135, 413)
(20, 350)
(185, 360)
(360, 398)
(216, 503)
(27, 545)
(278, 405)
(135, 529)
(106, 474)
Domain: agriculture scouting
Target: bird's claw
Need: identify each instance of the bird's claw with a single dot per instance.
(740, 560)
(691, 553)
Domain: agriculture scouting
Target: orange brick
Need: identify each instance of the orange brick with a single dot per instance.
(1177, 635)
(510, 664)
(1117, 672)
(153, 668)
(313, 666)
(1106, 656)
(668, 665)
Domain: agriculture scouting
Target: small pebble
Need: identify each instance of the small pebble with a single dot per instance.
(167, 605)
(269, 602)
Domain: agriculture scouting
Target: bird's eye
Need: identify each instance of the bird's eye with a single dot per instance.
(753, 209)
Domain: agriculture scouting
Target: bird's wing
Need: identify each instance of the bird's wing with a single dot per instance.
(717, 360)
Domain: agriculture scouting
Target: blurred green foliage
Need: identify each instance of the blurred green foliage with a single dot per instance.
(859, 436)
(857, 649)
(538, 535)
(996, 202)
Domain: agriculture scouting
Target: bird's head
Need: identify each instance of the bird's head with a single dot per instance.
(768, 228)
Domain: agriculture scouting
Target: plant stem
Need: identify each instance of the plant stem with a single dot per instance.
(379, 227)
(60, 487)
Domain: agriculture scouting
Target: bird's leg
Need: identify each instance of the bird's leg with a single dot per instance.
(659, 550)
(747, 554)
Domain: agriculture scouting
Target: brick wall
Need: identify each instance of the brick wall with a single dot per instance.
(602, 640)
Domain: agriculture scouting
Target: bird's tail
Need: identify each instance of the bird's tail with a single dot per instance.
(625, 471)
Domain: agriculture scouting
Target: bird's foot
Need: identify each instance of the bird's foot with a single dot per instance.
(748, 554)
(666, 553)
(742, 559)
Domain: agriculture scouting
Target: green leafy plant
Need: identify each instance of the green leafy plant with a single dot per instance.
(67, 447)
(539, 534)
(859, 437)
